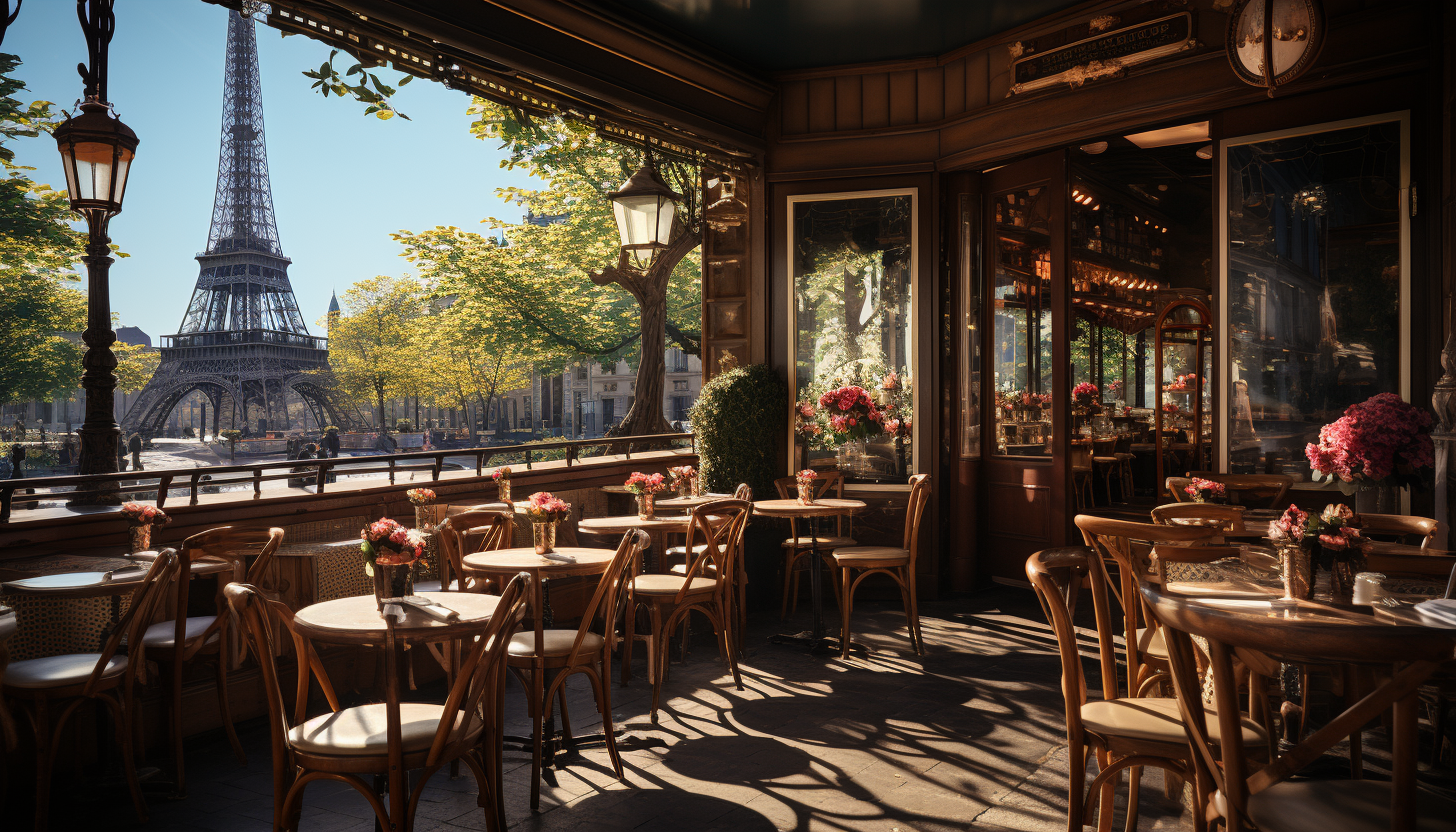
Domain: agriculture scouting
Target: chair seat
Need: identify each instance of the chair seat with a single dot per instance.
(681, 569)
(59, 671)
(679, 551)
(823, 542)
(1124, 456)
(434, 586)
(554, 643)
(1105, 460)
(670, 585)
(1157, 648)
(363, 730)
(1151, 718)
(867, 555)
(1347, 805)
(162, 633)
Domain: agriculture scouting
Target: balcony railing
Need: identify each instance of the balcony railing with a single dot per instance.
(316, 471)
(249, 336)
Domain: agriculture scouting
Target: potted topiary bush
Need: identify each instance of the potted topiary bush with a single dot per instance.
(740, 420)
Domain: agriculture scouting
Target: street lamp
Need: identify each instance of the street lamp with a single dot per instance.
(97, 151)
(644, 207)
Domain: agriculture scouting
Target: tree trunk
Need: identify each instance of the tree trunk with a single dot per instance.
(645, 417)
(379, 396)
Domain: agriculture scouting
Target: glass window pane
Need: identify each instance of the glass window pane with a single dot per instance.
(1314, 281)
(970, 279)
(854, 326)
(1022, 320)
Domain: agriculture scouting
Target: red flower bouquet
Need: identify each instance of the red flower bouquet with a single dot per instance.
(642, 484)
(852, 414)
(1206, 491)
(1085, 393)
(1291, 525)
(140, 514)
(390, 544)
(420, 496)
(545, 507)
(1383, 439)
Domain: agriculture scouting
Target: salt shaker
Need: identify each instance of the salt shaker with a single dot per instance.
(1369, 587)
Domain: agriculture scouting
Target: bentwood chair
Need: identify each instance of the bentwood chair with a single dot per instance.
(855, 563)
(1401, 528)
(477, 530)
(543, 667)
(352, 745)
(1213, 515)
(174, 643)
(64, 682)
(1081, 459)
(715, 536)
(738, 590)
(1128, 545)
(1266, 799)
(1251, 490)
(1123, 732)
(797, 547)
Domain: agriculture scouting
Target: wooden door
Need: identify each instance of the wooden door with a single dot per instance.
(1025, 365)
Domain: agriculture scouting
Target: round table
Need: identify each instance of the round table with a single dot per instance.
(658, 528)
(692, 502)
(822, 507)
(358, 621)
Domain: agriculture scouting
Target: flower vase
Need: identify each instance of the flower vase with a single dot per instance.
(1377, 499)
(392, 581)
(505, 491)
(684, 487)
(427, 518)
(646, 506)
(1345, 565)
(1296, 568)
(695, 487)
(806, 495)
(141, 537)
(543, 537)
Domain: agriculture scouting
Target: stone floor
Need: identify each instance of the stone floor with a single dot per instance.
(970, 735)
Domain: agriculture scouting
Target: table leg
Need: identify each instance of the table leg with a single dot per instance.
(814, 638)
(398, 781)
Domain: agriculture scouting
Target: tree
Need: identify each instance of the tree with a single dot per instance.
(545, 288)
(471, 363)
(135, 365)
(369, 343)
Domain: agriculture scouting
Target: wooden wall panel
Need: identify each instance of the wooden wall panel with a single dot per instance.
(821, 105)
(848, 103)
(929, 95)
(978, 80)
(794, 104)
(902, 98)
(876, 97)
(955, 88)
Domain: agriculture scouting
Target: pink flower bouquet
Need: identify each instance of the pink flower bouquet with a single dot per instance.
(642, 484)
(1291, 525)
(852, 413)
(388, 543)
(545, 507)
(1382, 439)
(140, 514)
(1206, 491)
(1085, 393)
(502, 474)
(420, 496)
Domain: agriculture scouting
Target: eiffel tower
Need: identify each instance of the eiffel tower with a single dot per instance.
(242, 343)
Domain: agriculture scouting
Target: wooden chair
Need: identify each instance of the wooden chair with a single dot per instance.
(855, 563)
(1081, 456)
(1266, 799)
(1401, 528)
(1221, 517)
(1251, 490)
(1175, 486)
(797, 547)
(738, 599)
(351, 744)
(1123, 732)
(66, 681)
(174, 643)
(1106, 463)
(1129, 546)
(670, 598)
(465, 533)
(544, 659)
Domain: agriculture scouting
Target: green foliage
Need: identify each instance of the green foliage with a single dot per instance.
(739, 420)
(370, 344)
(232, 435)
(403, 425)
(367, 88)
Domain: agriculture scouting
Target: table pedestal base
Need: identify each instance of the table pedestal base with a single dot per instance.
(558, 743)
(816, 644)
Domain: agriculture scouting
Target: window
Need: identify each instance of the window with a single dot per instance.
(1315, 267)
(852, 267)
(1021, 338)
(679, 385)
(609, 387)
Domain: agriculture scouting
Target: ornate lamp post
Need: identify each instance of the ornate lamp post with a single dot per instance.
(644, 208)
(97, 151)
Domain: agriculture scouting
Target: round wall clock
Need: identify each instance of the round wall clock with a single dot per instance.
(1272, 42)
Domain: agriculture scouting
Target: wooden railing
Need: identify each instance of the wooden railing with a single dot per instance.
(92, 488)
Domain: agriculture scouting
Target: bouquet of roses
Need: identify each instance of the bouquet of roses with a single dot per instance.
(545, 507)
(642, 484)
(891, 381)
(806, 477)
(1382, 438)
(387, 543)
(1170, 408)
(852, 414)
(1114, 388)
(1183, 382)
(502, 474)
(1206, 491)
(420, 496)
(682, 472)
(140, 514)
(1343, 529)
(1085, 393)
(900, 428)
(1291, 526)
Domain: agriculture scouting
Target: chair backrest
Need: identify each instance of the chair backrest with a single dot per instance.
(144, 602)
(1130, 546)
(1058, 576)
(914, 513)
(1176, 486)
(1081, 454)
(743, 492)
(265, 621)
(1225, 518)
(1252, 490)
(610, 595)
(718, 528)
(479, 530)
(480, 681)
(1123, 444)
(1401, 528)
(224, 543)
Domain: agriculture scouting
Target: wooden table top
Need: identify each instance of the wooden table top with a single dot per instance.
(627, 522)
(525, 559)
(821, 507)
(692, 502)
(356, 620)
(119, 576)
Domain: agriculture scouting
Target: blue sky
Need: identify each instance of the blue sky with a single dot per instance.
(342, 181)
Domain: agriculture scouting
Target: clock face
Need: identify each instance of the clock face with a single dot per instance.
(1295, 30)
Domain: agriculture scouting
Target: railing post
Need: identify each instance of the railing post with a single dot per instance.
(323, 476)
(391, 470)
(528, 459)
(193, 486)
(162, 487)
(257, 483)
(5, 495)
(439, 466)
(479, 464)
(570, 455)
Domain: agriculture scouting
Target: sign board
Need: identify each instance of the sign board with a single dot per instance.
(1103, 55)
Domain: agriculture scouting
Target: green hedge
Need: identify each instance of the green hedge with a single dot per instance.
(739, 420)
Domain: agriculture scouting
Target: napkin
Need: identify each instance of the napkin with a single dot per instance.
(557, 556)
(1438, 612)
(439, 612)
(123, 574)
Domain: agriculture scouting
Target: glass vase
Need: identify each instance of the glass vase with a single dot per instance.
(543, 537)
(141, 537)
(1377, 499)
(427, 518)
(1296, 568)
(1344, 566)
(695, 486)
(646, 506)
(505, 490)
(392, 580)
(684, 487)
(806, 495)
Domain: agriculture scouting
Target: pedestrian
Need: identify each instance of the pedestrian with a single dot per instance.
(136, 451)
(331, 442)
(68, 453)
(120, 453)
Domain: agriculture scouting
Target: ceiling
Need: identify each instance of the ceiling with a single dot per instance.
(775, 35)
